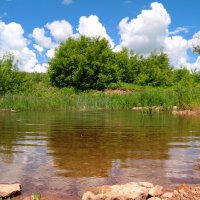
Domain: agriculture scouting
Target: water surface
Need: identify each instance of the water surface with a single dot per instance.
(64, 153)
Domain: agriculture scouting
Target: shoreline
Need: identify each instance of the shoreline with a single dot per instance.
(174, 111)
(182, 191)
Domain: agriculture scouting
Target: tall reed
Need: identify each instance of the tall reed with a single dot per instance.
(94, 100)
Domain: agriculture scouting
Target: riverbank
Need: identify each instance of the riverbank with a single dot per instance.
(68, 99)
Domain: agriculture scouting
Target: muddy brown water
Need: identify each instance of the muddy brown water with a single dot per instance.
(62, 153)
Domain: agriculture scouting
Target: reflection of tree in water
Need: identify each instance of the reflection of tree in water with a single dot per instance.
(89, 144)
(7, 136)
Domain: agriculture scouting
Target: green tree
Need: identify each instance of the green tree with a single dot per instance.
(128, 63)
(85, 63)
(183, 76)
(11, 80)
(154, 70)
(196, 76)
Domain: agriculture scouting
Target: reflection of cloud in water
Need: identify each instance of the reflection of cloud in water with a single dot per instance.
(180, 167)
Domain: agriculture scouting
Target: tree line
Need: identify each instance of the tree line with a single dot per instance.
(89, 63)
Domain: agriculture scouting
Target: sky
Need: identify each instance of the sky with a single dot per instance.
(32, 29)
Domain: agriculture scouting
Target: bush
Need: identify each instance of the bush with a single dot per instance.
(85, 63)
(11, 80)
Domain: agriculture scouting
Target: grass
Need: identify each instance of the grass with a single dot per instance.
(68, 99)
(36, 196)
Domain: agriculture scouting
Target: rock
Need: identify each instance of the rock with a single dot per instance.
(156, 191)
(154, 198)
(133, 191)
(9, 190)
(167, 195)
(138, 108)
(146, 184)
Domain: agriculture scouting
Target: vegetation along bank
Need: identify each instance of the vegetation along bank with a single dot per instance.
(84, 69)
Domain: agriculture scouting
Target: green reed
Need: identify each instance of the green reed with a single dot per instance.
(183, 98)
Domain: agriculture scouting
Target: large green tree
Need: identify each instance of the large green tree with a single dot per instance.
(85, 63)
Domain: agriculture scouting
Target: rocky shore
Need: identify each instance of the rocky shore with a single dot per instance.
(142, 191)
(129, 191)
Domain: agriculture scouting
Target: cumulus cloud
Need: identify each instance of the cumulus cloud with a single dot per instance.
(38, 48)
(147, 32)
(42, 40)
(176, 47)
(67, 2)
(60, 30)
(13, 41)
(92, 27)
(12, 36)
(195, 41)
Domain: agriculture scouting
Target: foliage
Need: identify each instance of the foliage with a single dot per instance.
(154, 70)
(182, 76)
(11, 80)
(85, 63)
(89, 64)
(196, 76)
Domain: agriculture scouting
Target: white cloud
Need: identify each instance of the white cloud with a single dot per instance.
(60, 30)
(42, 40)
(13, 41)
(38, 48)
(150, 32)
(195, 65)
(50, 53)
(67, 2)
(195, 41)
(147, 32)
(92, 27)
(41, 68)
(179, 30)
(176, 47)
(12, 36)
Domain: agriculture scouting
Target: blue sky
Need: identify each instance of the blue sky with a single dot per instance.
(31, 29)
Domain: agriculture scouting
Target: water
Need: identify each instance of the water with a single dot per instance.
(64, 153)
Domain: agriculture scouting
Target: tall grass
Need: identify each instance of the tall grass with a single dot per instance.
(67, 99)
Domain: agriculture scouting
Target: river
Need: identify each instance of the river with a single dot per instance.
(62, 153)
